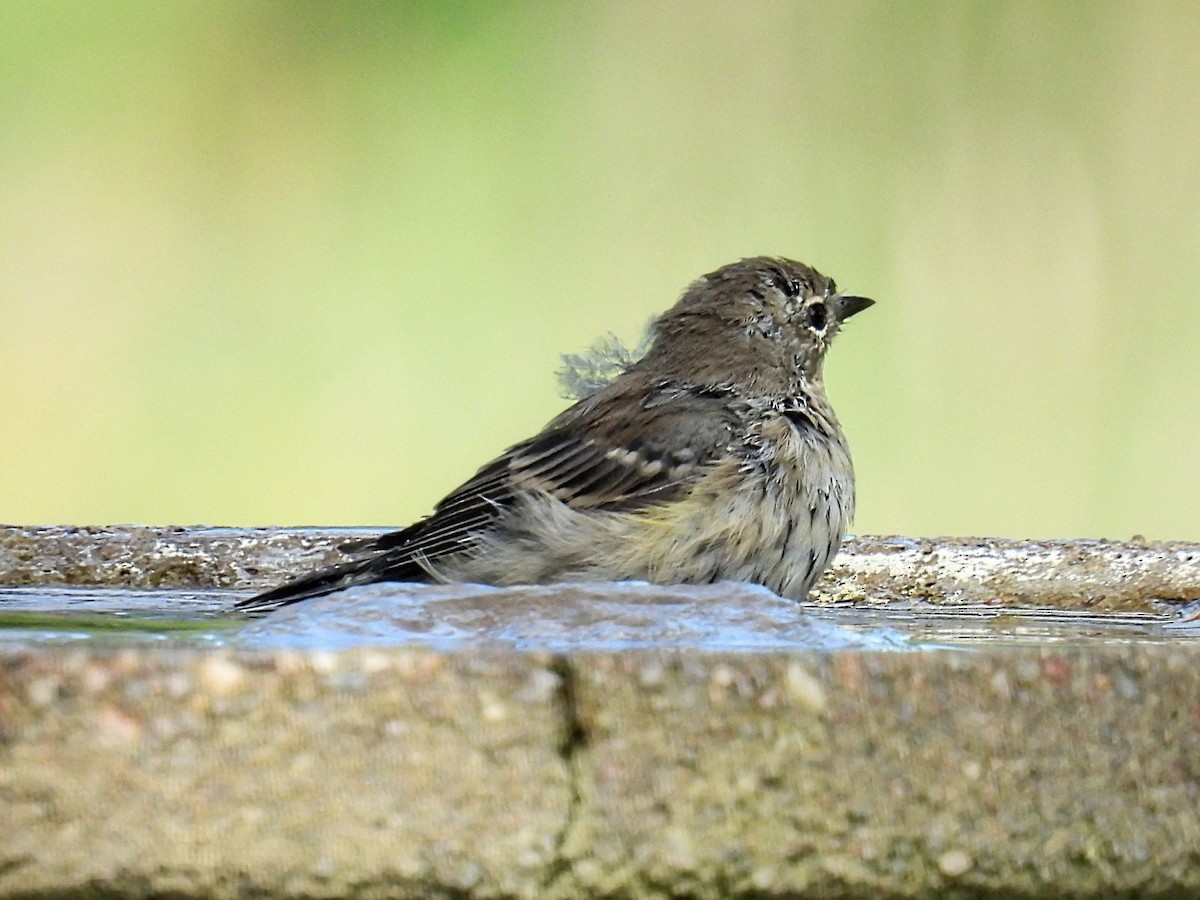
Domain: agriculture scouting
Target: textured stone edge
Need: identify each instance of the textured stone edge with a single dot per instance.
(646, 774)
(224, 774)
(1077, 574)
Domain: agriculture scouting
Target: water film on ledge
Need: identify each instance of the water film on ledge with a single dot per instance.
(554, 618)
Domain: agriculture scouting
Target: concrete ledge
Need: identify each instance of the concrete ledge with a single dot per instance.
(1080, 574)
(1067, 768)
(405, 773)
(199, 775)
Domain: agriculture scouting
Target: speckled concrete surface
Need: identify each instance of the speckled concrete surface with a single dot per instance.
(207, 775)
(1079, 574)
(864, 775)
(1060, 769)
(414, 774)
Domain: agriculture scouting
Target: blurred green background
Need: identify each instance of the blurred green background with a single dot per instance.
(314, 262)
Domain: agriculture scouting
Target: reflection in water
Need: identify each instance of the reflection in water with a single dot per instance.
(558, 618)
(726, 616)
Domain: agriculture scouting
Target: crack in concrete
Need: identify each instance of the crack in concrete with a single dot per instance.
(572, 745)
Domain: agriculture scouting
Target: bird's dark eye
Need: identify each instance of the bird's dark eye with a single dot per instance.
(817, 317)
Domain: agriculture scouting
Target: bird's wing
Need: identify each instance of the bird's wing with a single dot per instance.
(630, 445)
(612, 451)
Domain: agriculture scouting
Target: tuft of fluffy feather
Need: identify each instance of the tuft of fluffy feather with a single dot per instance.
(583, 374)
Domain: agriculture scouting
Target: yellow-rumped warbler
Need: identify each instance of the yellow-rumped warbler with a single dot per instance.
(715, 456)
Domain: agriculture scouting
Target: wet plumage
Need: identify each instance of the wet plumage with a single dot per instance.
(716, 456)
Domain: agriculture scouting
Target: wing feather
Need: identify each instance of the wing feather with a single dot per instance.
(630, 445)
(610, 451)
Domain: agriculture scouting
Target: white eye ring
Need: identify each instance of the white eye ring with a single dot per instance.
(816, 317)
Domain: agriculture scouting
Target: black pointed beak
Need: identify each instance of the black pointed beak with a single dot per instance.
(849, 306)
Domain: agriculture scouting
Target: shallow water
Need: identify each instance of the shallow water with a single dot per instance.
(730, 617)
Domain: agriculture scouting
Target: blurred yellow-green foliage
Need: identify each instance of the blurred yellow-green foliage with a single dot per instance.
(313, 262)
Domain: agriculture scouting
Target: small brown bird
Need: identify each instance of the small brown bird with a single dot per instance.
(715, 456)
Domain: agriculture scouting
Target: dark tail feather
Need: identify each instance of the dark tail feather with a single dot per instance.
(325, 581)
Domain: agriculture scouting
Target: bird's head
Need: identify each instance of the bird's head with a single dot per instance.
(765, 322)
